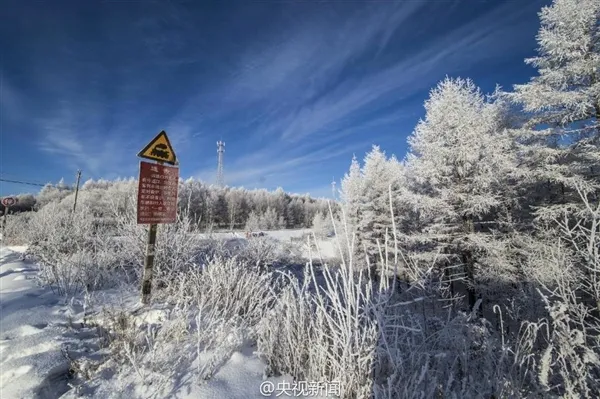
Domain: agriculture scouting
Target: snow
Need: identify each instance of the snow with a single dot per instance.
(239, 377)
(326, 249)
(286, 235)
(35, 324)
(31, 325)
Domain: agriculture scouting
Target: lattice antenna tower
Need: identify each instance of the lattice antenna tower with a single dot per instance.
(220, 151)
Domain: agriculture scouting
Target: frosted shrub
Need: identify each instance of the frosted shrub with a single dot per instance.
(73, 250)
(224, 300)
(322, 225)
(570, 337)
(322, 330)
(267, 252)
(346, 324)
(177, 248)
(153, 350)
(285, 338)
(269, 220)
(227, 288)
(258, 251)
(207, 312)
(18, 228)
(432, 356)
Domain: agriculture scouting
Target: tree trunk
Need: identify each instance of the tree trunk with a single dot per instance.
(469, 262)
(449, 277)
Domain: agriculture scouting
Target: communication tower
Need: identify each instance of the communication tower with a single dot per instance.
(220, 151)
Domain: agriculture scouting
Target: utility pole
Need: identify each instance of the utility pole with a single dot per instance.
(76, 190)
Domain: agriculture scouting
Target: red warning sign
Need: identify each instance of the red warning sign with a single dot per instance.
(157, 193)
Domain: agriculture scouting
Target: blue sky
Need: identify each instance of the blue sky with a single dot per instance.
(294, 88)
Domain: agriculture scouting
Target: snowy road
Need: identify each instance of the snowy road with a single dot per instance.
(32, 321)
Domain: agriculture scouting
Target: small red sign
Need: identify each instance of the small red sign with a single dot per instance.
(157, 193)
(9, 201)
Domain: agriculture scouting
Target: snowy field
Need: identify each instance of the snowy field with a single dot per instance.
(32, 331)
(325, 248)
(45, 339)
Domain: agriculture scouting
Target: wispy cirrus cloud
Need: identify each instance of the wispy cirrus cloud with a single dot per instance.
(294, 89)
(286, 167)
(325, 80)
(481, 40)
(74, 134)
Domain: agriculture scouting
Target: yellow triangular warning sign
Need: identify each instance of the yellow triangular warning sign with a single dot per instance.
(159, 149)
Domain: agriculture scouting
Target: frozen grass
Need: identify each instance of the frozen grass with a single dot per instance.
(397, 333)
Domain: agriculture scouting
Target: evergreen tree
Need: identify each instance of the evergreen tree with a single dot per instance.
(378, 174)
(461, 156)
(350, 193)
(561, 147)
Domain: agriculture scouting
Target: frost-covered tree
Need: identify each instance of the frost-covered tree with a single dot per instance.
(270, 220)
(295, 212)
(235, 202)
(461, 157)
(91, 183)
(351, 192)
(51, 193)
(253, 222)
(378, 174)
(207, 206)
(322, 224)
(278, 201)
(561, 148)
(217, 207)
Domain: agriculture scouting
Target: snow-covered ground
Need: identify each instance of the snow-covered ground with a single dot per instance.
(32, 325)
(327, 247)
(41, 334)
(282, 235)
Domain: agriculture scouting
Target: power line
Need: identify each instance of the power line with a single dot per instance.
(17, 177)
(31, 184)
(21, 182)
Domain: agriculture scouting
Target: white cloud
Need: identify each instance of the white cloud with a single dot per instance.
(303, 103)
(272, 164)
(295, 86)
(74, 136)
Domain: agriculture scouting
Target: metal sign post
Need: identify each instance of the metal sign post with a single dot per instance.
(149, 264)
(157, 199)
